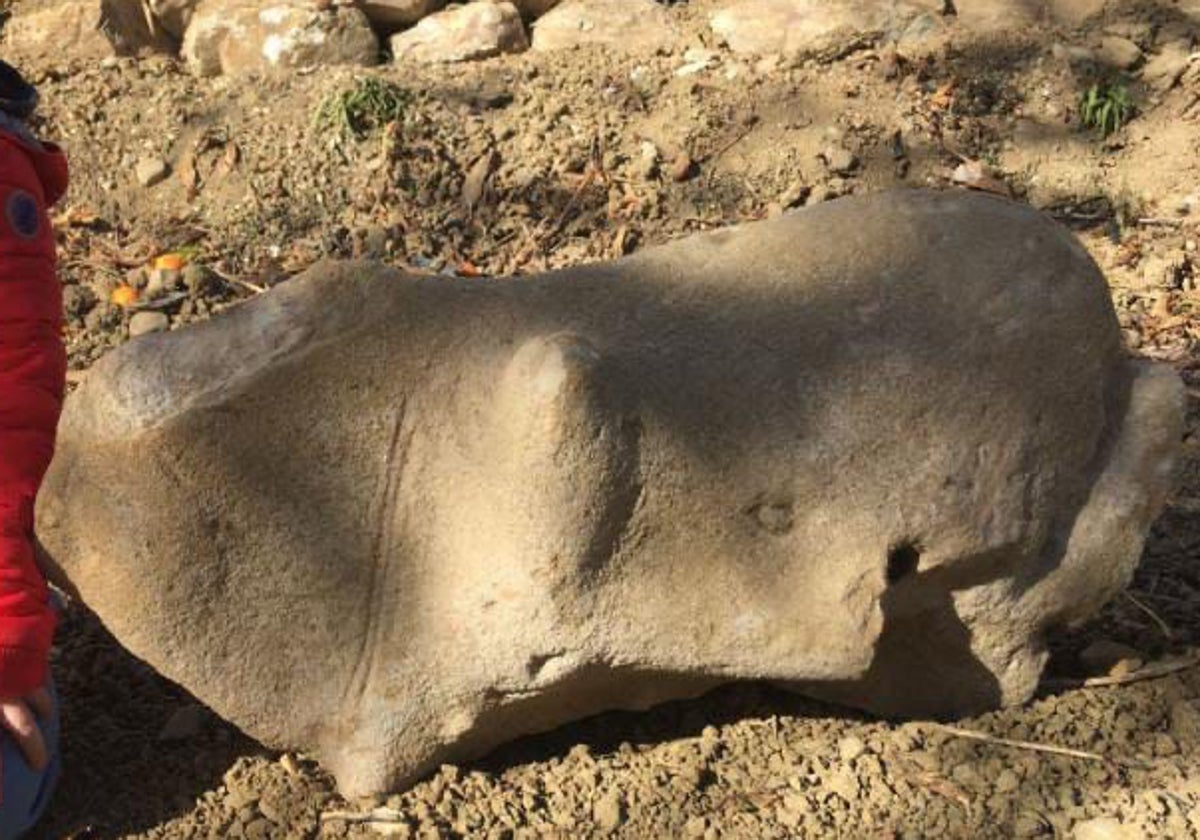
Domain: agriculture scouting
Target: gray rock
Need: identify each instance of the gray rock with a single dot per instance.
(237, 37)
(839, 160)
(1119, 52)
(1073, 54)
(161, 281)
(996, 17)
(78, 301)
(1103, 655)
(531, 9)
(482, 29)
(184, 723)
(648, 160)
(1159, 271)
(631, 26)
(867, 451)
(1164, 70)
(1185, 722)
(173, 15)
(390, 16)
(807, 27)
(1103, 828)
(608, 812)
(850, 748)
(1007, 781)
(143, 323)
(199, 280)
(1075, 12)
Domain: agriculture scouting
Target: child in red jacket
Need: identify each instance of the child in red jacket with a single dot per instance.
(33, 176)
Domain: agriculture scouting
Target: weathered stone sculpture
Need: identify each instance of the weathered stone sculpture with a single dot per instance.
(873, 450)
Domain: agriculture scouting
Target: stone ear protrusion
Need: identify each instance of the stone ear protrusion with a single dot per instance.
(551, 388)
(571, 446)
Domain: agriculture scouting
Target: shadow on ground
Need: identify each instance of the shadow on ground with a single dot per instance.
(120, 774)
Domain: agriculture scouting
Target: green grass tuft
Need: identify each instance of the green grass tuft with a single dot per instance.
(368, 106)
(1105, 107)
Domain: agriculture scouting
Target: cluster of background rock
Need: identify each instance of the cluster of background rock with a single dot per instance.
(248, 36)
(245, 36)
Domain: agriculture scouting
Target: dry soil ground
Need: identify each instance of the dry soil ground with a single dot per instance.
(520, 163)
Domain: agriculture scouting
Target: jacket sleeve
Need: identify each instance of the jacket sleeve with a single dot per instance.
(32, 373)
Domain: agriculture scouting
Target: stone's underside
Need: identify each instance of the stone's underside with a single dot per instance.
(873, 451)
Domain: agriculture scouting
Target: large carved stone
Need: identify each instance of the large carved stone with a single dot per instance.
(874, 451)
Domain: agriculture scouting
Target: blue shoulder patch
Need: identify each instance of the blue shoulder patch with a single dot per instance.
(24, 215)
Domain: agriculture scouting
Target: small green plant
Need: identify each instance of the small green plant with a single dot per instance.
(368, 106)
(1105, 107)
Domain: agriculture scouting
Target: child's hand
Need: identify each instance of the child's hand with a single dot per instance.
(19, 718)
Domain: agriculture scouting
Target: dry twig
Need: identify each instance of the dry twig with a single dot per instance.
(246, 284)
(1151, 671)
(1020, 745)
(1162, 625)
(378, 815)
(748, 127)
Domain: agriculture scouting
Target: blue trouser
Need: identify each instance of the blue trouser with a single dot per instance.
(27, 792)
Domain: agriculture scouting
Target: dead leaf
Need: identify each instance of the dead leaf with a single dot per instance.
(620, 241)
(77, 217)
(475, 185)
(466, 268)
(188, 175)
(228, 161)
(943, 98)
(124, 296)
(943, 787)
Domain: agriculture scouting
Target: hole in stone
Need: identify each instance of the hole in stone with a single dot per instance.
(902, 561)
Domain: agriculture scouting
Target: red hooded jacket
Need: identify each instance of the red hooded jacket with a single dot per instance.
(32, 380)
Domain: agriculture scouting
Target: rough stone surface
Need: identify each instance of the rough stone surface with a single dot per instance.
(482, 29)
(144, 323)
(1005, 16)
(83, 29)
(1103, 828)
(243, 36)
(1119, 52)
(1075, 12)
(1164, 70)
(628, 25)
(174, 15)
(806, 27)
(869, 451)
(530, 9)
(389, 16)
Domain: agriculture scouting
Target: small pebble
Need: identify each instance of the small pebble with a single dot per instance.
(609, 811)
(850, 748)
(143, 323)
(186, 721)
(289, 763)
(683, 168)
(1101, 828)
(151, 171)
(1104, 657)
